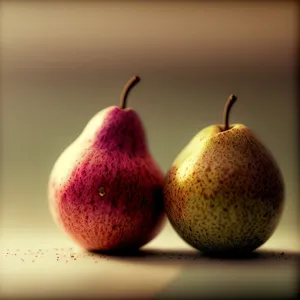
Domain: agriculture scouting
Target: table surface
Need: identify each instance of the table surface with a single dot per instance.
(40, 265)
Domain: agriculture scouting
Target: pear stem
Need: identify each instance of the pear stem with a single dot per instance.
(230, 101)
(127, 88)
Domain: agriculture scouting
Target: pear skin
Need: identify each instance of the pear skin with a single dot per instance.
(224, 193)
(106, 190)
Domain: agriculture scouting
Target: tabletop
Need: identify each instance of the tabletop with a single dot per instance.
(49, 265)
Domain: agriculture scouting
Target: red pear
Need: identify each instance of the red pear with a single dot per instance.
(106, 190)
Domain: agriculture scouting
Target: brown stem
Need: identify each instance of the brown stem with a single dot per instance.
(228, 105)
(127, 88)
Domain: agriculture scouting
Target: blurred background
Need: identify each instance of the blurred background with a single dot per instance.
(62, 62)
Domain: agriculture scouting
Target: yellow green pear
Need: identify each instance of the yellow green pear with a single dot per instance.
(224, 193)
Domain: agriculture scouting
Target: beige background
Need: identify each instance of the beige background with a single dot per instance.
(63, 62)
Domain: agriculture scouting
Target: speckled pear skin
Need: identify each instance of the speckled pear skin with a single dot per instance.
(105, 190)
(224, 193)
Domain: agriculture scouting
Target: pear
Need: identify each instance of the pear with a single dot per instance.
(105, 190)
(224, 193)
